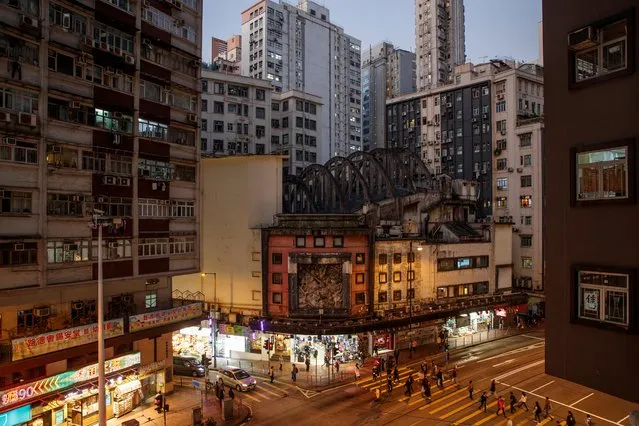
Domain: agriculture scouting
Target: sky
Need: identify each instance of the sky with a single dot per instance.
(494, 28)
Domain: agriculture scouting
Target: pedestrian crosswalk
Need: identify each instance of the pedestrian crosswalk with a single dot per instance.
(266, 392)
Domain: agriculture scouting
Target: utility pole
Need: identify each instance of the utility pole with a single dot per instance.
(410, 288)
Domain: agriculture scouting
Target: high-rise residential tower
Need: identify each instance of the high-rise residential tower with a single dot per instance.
(386, 73)
(298, 48)
(439, 40)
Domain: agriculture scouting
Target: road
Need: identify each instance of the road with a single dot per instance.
(517, 364)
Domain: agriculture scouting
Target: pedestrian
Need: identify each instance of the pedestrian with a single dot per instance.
(378, 394)
(424, 368)
(570, 419)
(493, 388)
(501, 406)
(221, 396)
(383, 365)
(440, 379)
(433, 367)
(231, 394)
(389, 385)
(589, 421)
(513, 401)
(409, 390)
(522, 401)
(281, 365)
(537, 412)
(426, 388)
(272, 374)
(217, 390)
(396, 374)
(337, 366)
(509, 422)
(547, 408)
(294, 373)
(396, 353)
(308, 364)
(374, 373)
(470, 389)
(454, 375)
(482, 401)
(356, 370)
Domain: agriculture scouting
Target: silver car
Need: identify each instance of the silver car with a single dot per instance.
(233, 377)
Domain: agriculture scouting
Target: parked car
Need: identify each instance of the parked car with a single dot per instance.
(233, 377)
(188, 366)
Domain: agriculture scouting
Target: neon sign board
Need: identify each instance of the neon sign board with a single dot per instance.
(63, 380)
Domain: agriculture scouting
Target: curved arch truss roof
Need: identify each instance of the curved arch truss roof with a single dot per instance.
(345, 184)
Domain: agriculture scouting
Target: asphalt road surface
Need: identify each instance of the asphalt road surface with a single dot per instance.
(516, 363)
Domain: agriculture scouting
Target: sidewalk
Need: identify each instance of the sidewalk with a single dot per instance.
(181, 403)
(320, 377)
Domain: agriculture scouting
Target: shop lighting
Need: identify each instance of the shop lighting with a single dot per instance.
(463, 315)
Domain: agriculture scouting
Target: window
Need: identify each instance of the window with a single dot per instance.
(182, 208)
(603, 295)
(397, 258)
(276, 278)
(182, 245)
(603, 174)
(526, 160)
(260, 131)
(218, 88)
(397, 276)
(260, 94)
(67, 251)
(14, 254)
(527, 220)
(525, 200)
(318, 242)
(115, 121)
(456, 263)
(502, 183)
(115, 206)
(525, 140)
(151, 299)
(116, 39)
(382, 277)
(218, 107)
(601, 49)
(18, 151)
(502, 164)
(277, 298)
(241, 91)
(526, 240)
(501, 144)
(410, 293)
(382, 297)
(65, 204)
(360, 298)
(18, 100)
(155, 170)
(338, 241)
(360, 258)
(152, 129)
(461, 290)
(260, 112)
(112, 249)
(300, 241)
(382, 259)
(150, 208)
(299, 122)
(397, 295)
(276, 258)
(526, 181)
(218, 126)
(204, 144)
(359, 278)
(16, 202)
(526, 262)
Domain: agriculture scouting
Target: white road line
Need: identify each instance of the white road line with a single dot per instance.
(542, 386)
(587, 396)
(619, 422)
(508, 361)
(514, 351)
(532, 337)
(560, 403)
(520, 369)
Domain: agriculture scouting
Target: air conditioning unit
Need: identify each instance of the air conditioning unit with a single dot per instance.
(27, 119)
(475, 120)
(449, 105)
(583, 38)
(117, 139)
(10, 141)
(177, 3)
(154, 186)
(104, 45)
(129, 59)
(5, 117)
(146, 41)
(117, 51)
(29, 21)
(519, 170)
(125, 182)
(78, 305)
(42, 312)
(101, 199)
(108, 180)
(66, 21)
(70, 247)
(510, 169)
(75, 105)
(192, 117)
(430, 142)
(18, 247)
(113, 244)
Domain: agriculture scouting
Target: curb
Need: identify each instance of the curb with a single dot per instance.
(248, 416)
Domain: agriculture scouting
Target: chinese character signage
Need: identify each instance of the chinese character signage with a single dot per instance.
(233, 330)
(168, 316)
(27, 347)
(60, 381)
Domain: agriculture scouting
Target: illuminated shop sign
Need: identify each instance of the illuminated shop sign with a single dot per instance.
(27, 347)
(16, 417)
(168, 316)
(63, 380)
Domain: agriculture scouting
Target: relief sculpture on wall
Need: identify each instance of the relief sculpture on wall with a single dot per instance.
(320, 286)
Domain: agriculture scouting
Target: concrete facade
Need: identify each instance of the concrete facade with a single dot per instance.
(298, 48)
(231, 243)
(439, 41)
(590, 227)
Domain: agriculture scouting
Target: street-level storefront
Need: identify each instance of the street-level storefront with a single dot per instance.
(466, 324)
(71, 397)
(193, 342)
(417, 334)
(344, 347)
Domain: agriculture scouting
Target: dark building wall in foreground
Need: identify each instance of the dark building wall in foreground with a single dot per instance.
(603, 234)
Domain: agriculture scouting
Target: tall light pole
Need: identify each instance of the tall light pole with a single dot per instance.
(99, 221)
(212, 312)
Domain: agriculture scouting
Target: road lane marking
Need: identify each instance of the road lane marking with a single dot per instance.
(463, 407)
(544, 421)
(481, 422)
(542, 386)
(585, 397)
(508, 361)
(514, 351)
(512, 416)
(271, 392)
(519, 370)
(443, 407)
(560, 403)
(523, 422)
(252, 397)
(619, 422)
(532, 337)
(359, 382)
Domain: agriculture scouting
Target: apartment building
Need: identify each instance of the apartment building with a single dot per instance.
(590, 209)
(236, 114)
(439, 41)
(299, 48)
(485, 126)
(99, 114)
(386, 73)
(230, 50)
(295, 129)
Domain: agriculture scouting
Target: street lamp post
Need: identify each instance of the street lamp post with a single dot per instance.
(212, 312)
(410, 288)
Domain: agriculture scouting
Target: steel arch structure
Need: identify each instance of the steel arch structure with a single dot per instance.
(345, 184)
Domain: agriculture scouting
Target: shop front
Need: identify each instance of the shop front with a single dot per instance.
(71, 398)
(193, 342)
(471, 323)
(417, 334)
(344, 348)
(232, 339)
